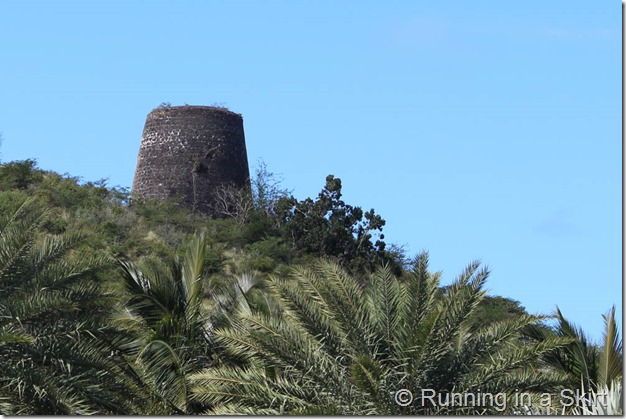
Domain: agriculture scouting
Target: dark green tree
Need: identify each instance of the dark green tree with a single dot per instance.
(19, 175)
(328, 227)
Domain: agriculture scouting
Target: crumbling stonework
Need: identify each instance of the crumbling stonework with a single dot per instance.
(189, 152)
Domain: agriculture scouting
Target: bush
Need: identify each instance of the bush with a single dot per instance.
(273, 247)
(19, 175)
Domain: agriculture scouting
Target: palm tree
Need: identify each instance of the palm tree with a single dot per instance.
(341, 348)
(588, 366)
(54, 356)
(584, 362)
(172, 322)
(171, 336)
(590, 369)
(578, 360)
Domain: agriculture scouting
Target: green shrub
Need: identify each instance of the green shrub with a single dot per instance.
(273, 247)
(19, 175)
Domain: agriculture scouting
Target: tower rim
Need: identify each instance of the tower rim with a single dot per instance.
(167, 109)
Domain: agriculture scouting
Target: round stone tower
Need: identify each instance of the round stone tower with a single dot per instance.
(189, 153)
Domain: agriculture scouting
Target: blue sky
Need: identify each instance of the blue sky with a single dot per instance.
(483, 130)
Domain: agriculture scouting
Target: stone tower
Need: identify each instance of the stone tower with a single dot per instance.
(189, 153)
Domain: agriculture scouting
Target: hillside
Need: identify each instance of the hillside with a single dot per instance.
(118, 306)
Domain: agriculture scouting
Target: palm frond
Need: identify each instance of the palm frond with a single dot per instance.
(387, 312)
(162, 365)
(503, 363)
(494, 338)
(611, 359)
(249, 387)
(344, 297)
(304, 300)
(579, 358)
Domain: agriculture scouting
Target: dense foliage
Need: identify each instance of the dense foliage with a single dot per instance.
(116, 306)
(340, 348)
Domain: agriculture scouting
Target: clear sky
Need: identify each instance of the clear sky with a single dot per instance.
(483, 130)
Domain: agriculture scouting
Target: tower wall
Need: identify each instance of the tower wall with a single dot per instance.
(188, 152)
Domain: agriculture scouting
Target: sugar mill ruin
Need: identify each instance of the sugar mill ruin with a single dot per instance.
(188, 153)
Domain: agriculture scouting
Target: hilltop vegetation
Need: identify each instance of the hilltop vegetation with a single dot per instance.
(116, 306)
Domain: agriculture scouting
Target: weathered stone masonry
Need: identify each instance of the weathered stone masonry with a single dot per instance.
(187, 152)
